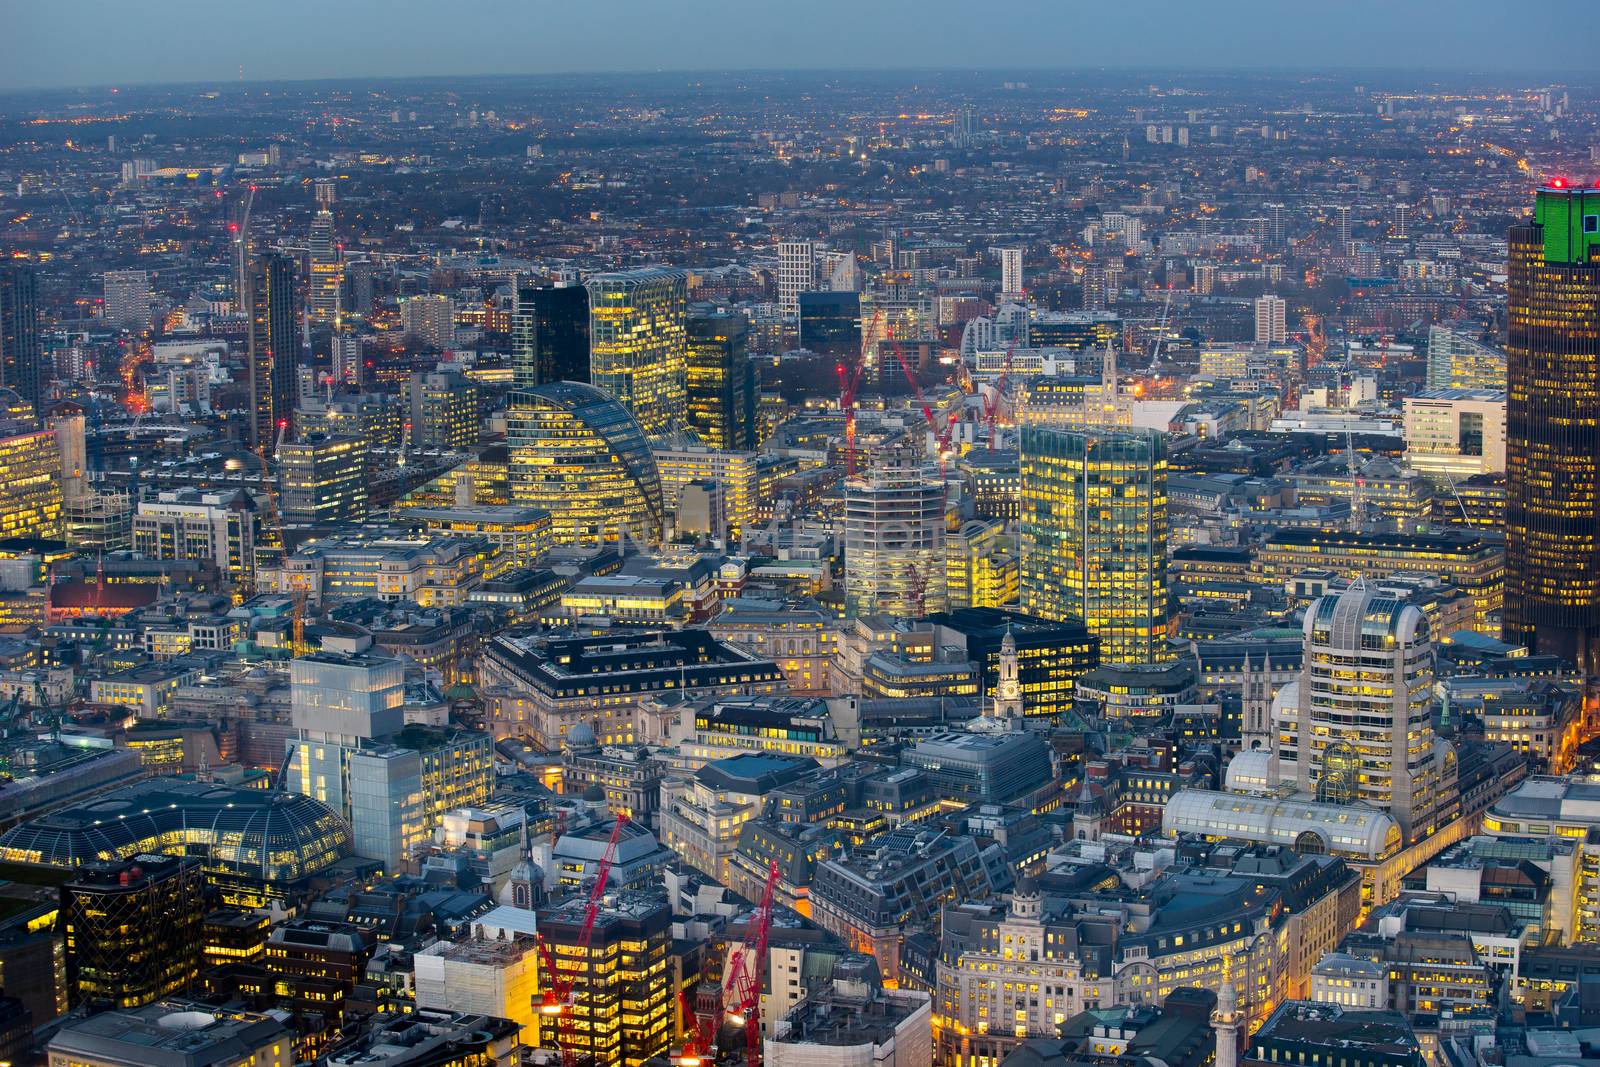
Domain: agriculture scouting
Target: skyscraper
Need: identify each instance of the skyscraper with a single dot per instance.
(324, 480)
(1010, 273)
(550, 335)
(797, 273)
(1358, 726)
(274, 340)
(325, 294)
(127, 299)
(1093, 535)
(830, 324)
(1552, 595)
(444, 408)
(894, 541)
(132, 930)
(1272, 325)
(636, 343)
(578, 454)
(21, 356)
(430, 318)
(722, 391)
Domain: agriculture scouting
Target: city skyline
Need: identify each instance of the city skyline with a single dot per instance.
(1236, 35)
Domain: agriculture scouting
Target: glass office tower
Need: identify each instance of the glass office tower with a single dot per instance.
(1552, 585)
(550, 335)
(637, 343)
(721, 386)
(1094, 535)
(578, 454)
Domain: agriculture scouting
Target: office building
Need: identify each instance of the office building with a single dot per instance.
(431, 319)
(722, 389)
(218, 528)
(346, 365)
(376, 418)
(1010, 273)
(578, 454)
(703, 813)
(623, 1009)
(1272, 326)
(31, 492)
(324, 480)
(983, 767)
(1358, 725)
(21, 354)
(132, 930)
(1473, 563)
(550, 335)
(127, 299)
(637, 343)
(428, 1038)
(870, 898)
(894, 541)
(175, 1032)
(1454, 434)
(797, 273)
(1460, 359)
(444, 409)
(830, 324)
(433, 571)
(354, 752)
(273, 347)
(325, 292)
(1552, 596)
(1093, 536)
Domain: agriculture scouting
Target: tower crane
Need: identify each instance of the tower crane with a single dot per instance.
(941, 434)
(743, 987)
(991, 404)
(558, 996)
(697, 1036)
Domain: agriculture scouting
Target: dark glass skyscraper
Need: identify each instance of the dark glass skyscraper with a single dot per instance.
(274, 343)
(721, 381)
(20, 353)
(1552, 586)
(550, 335)
(830, 324)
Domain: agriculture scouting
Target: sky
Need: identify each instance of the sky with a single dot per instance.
(81, 43)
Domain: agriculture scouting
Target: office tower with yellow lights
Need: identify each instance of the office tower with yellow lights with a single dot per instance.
(324, 480)
(21, 354)
(31, 478)
(444, 409)
(133, 930)
(637, 339)
(894, 541)
(722, 391)
(274, 341)
(1552, 585)
(577, 454)
(1093, 535)
(622, 1007)
(325, 294)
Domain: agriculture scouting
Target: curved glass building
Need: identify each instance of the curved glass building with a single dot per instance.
(255, 846)
(577, 453)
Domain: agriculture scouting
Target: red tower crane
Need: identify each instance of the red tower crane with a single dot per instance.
(991, 404)
(743, 987)
(849, 381)
(697, 1036)
(941, 434)
(558, 999)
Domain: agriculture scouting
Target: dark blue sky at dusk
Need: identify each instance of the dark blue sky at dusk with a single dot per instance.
(68, 43)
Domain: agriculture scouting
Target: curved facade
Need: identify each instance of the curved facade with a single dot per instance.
(253, 844)
(578, 454)
(1348, 831)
